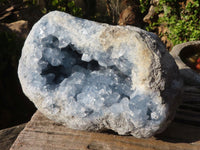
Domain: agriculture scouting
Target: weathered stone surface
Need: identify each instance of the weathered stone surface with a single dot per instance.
(93, 76)
(179, 51)
(8, 136)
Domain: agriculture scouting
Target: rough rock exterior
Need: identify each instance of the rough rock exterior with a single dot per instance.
(96, 77)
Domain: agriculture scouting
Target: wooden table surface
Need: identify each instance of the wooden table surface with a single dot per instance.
(8, 136)
(182, 134)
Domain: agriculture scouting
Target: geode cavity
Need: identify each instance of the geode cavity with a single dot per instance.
(93, 76)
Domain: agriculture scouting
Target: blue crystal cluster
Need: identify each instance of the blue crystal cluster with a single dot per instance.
(73, 79)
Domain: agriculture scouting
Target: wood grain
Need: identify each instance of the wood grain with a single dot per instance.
(8, 136)
(182, 134)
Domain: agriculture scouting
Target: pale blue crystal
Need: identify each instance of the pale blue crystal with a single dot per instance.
(93, 76)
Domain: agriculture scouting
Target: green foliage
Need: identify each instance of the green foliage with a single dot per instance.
(61, 5)
(74, 10)
(181, 19)
(56, 5)
(144, 6)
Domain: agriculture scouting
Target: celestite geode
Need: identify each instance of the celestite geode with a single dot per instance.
(93, 76)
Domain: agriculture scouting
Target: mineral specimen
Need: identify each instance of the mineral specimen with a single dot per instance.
(98, 77)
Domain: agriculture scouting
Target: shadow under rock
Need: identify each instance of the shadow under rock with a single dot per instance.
(180, 133)
(185, 128)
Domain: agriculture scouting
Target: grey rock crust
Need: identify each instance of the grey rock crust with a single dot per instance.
(189, 76)
(95, 77)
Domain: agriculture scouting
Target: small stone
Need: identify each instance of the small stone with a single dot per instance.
(180, 53)
(93, 76)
